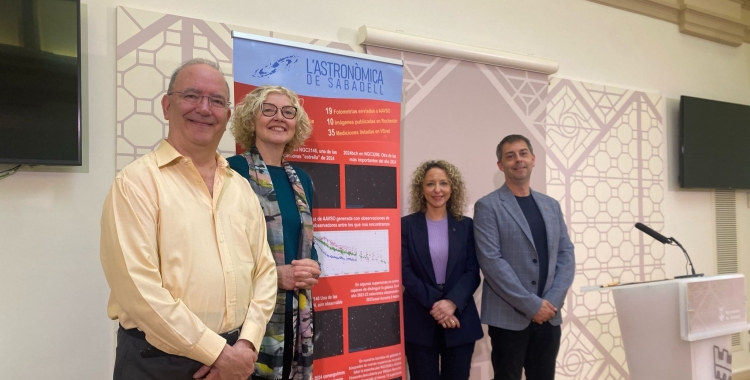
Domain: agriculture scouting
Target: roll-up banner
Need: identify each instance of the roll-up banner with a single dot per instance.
(353, 157)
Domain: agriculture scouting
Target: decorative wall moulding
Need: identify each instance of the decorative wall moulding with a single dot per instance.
(705, 24)
(369, 36)
(723, 21)
(663, 10)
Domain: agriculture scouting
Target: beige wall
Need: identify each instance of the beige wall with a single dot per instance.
(52, 318)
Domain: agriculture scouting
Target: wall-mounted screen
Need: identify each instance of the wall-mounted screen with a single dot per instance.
(40, 97)
(714, 140)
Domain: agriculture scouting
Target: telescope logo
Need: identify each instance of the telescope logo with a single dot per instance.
(272, 68)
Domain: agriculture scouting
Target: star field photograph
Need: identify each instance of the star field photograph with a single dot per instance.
(329, 333)
(370, 186)
(326, 180)
(374, 326)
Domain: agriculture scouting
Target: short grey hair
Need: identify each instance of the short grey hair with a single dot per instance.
(195, 61)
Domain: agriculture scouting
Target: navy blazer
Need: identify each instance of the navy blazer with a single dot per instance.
(421, 291)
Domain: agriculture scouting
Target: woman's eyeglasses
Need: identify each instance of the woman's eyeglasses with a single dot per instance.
(269, 110)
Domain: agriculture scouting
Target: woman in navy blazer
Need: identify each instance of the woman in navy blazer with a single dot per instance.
(440, 275)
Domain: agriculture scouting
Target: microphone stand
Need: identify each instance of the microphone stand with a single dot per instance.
(673, 241)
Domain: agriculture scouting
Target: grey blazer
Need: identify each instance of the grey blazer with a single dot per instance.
(508, 259)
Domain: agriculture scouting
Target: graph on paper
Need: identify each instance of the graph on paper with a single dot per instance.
(352, 252)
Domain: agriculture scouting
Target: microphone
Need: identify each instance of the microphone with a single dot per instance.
(665, 240)
(648, 231)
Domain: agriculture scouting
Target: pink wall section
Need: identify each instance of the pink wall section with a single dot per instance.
(459, 111)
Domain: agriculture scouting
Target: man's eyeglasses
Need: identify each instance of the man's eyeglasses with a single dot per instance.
(193, 97)
(288, 112)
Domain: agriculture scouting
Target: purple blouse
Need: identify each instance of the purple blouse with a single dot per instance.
(437, 232)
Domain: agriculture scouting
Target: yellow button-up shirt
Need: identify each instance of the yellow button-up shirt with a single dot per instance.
(182, 265)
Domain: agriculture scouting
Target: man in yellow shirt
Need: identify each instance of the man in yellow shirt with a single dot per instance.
(184, 249)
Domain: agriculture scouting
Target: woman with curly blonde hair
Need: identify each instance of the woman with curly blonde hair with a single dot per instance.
(270, 123)
(440, 275)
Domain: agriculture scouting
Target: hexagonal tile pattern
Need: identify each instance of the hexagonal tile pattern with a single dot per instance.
(606, 145)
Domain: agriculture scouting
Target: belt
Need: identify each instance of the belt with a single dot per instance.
(441, 286)
(152, 352)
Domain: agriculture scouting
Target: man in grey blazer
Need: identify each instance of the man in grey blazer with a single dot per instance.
(528, 263)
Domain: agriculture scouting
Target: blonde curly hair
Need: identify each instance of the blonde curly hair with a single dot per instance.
(243, 126)
(457, 200)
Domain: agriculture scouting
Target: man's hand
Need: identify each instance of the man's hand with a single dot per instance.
(545, 312)
(306, 273)
(234, 363)
(443, 311)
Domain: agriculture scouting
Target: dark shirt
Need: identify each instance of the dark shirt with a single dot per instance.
(289, 211)
(539, 233)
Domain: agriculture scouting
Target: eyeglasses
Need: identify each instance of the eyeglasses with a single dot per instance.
(193, 97)
(288, 112)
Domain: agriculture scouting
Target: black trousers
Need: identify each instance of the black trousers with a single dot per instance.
(533, 348)
(136, 359)
(439, 361)
(130, 364)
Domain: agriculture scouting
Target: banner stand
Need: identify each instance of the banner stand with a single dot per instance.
(353, 157)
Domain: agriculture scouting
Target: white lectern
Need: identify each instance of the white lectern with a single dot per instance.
(680, 329)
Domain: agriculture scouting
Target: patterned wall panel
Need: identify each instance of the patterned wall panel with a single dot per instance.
(605, 165)
(149, 47)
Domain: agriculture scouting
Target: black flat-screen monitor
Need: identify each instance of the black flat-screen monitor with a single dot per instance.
(714, 144)
(40, 71)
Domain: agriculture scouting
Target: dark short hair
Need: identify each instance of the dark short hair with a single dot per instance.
(509, 139)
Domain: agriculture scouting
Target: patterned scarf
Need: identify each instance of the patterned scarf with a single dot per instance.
(271, 353)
